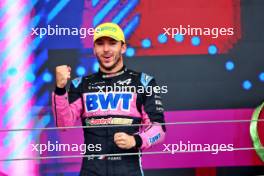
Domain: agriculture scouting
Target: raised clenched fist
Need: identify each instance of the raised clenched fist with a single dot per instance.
(63, 73)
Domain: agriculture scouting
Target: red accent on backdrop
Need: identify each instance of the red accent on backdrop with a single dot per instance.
(155, 15)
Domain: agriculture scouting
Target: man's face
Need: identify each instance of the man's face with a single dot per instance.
(109, 52)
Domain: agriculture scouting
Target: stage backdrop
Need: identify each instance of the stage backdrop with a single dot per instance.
(209, 54)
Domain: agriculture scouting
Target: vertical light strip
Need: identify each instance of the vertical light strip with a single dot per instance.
(17, 63)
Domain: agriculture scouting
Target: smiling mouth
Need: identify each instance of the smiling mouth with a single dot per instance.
(107, 58)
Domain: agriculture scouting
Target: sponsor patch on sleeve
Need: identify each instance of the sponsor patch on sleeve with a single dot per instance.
(154, 139)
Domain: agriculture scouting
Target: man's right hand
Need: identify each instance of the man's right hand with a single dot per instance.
(63, 73)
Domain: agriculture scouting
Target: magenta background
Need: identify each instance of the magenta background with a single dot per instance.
(220, 133)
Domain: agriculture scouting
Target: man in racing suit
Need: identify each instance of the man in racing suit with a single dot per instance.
(113, 96)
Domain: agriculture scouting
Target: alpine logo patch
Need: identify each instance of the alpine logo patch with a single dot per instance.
(77, 81)
(145, 79)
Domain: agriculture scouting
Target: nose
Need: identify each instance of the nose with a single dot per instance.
(106, 47)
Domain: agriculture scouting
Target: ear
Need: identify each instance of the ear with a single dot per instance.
(123, 48)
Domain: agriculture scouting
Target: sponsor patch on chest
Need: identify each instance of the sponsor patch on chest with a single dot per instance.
(107, 101)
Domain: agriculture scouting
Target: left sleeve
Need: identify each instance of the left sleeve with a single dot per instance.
(152, 114)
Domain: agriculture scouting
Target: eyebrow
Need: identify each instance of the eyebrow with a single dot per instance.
(110, 40)
(113, 40)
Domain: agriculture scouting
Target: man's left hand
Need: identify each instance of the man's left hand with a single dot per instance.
(124, 141)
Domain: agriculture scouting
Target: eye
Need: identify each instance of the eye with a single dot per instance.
(113, 42)
(99, 43)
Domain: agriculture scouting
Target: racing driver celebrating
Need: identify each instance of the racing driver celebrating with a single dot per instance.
(89, 100)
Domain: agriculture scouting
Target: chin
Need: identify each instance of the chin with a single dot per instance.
(108, 66)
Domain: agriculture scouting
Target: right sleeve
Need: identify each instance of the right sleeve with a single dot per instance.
(66, 106)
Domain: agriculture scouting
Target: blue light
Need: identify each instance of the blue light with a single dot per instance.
(247, 85)
(229, 65)
(35, 20)
(212, 49)
(131, 26)
(261, 76)
(43, 99)
(125, 11)
(47, 77)
(41, 59)
(96, 67)
(146, 43)
(12, 71)
(103, 12)
(30, 77)
(178, 38)
(162, 38)
(130, 52)
(196, 41)
(94, 2)
(54, 12)
(80, 71)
